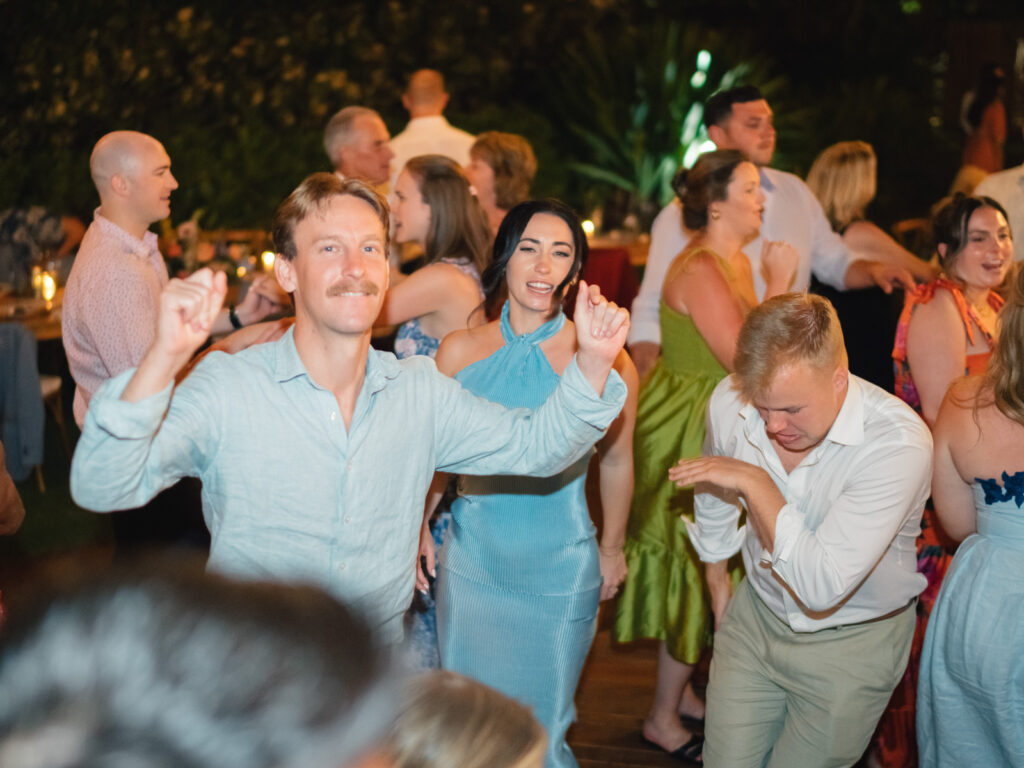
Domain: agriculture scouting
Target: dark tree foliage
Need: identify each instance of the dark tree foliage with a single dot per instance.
(239, 94)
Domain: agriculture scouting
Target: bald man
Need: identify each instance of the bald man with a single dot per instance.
(113, 292)
(428, 133)
(112, 295)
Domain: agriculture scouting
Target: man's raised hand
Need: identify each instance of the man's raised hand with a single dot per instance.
(187, 311)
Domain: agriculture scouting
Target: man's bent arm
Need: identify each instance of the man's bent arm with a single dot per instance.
(830, 258)
(715, 533)
(823, 566)
(667, 239)
(187, 310)
(130, 451)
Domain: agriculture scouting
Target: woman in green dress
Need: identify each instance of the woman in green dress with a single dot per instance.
(707, 292)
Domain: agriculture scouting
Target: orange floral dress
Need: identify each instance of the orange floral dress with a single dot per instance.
(895, 741)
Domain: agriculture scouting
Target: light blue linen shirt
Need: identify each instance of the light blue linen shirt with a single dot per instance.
(288, 494)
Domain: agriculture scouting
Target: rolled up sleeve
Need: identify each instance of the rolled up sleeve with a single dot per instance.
(714, 533)
(130, 451)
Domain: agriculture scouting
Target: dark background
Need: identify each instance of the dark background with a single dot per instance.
(239, 94)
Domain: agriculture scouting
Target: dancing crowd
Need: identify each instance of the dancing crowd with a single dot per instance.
(767, 514)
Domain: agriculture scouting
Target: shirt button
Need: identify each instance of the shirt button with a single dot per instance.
(341, 567)
(348, 519)
(334, 415)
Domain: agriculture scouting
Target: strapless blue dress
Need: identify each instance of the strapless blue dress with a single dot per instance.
(519, 578)
(970, 696)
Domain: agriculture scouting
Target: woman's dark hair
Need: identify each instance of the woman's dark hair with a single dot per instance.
(707, 182)
(990, 80)
(949, 227)
(511, 232)
(458, 225)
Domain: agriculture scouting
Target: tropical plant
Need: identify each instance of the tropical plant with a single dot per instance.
(636, 107)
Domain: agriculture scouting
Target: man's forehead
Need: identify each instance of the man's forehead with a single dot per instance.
(746, 109)
(153, 154)
(343, 215)
(370, 127)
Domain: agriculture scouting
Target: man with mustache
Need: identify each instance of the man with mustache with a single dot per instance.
(315, 451)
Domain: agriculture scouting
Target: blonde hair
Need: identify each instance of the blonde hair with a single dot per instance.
(313, 195)
(785, 329)
(447, 720)
(843, 179)
(1005, 374)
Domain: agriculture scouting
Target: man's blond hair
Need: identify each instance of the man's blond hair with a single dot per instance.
(791, 328)
(312, 196)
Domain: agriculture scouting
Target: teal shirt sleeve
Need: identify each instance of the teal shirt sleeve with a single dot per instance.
(129, 452)
(477, 437)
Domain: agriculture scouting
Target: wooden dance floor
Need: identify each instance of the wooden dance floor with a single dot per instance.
(613, 698)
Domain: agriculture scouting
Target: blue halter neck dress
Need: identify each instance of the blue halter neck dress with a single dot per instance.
(519, 579)
(970, 695)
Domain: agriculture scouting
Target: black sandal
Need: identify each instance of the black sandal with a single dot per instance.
(690, 752)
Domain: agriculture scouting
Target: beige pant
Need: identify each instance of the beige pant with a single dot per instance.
(787, 699)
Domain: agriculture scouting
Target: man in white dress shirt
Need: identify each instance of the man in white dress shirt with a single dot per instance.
(358, 145)
(740, 118)
(833, 473)
(428, 132)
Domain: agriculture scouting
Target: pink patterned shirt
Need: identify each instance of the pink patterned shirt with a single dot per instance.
(110, 305)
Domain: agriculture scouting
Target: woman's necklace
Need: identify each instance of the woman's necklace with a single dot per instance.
(986, 315)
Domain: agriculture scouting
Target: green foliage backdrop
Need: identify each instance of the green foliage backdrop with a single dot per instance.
(239, 94)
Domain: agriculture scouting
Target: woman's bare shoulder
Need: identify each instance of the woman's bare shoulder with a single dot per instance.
(466, 346)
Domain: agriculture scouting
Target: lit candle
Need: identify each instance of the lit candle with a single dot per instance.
(588, 227)
(268, 260)
(49, 286)
(241, 271)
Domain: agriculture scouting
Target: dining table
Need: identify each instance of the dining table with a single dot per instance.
(41, 317)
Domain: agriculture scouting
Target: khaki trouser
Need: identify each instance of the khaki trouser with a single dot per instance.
(787, 699)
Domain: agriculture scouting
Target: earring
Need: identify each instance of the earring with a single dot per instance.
(715, 215)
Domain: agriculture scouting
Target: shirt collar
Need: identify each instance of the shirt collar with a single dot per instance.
(766, 183)
(381, 367)
(428, 121)
(144, 247)
(847, 429)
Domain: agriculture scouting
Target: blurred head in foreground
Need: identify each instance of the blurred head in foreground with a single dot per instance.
(161, 669)
(448, 720)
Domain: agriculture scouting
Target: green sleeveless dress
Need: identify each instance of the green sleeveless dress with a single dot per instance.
(665, 596)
